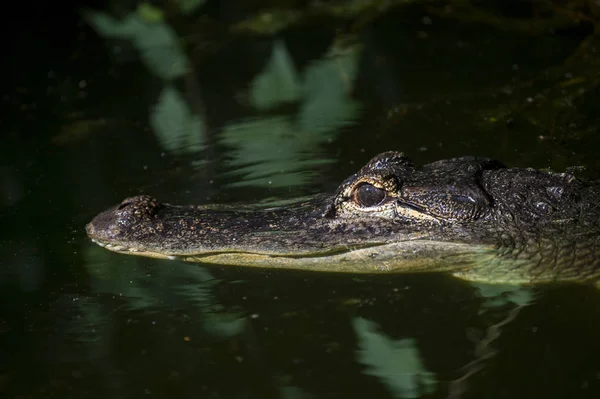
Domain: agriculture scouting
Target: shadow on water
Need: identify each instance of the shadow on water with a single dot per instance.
(207, 101)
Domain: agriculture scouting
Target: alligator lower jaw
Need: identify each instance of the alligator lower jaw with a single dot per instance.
(113, 247)
(407, 256)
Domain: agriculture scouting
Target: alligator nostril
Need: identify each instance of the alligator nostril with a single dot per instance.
(543, 207)
(134, 209)
(124, 205)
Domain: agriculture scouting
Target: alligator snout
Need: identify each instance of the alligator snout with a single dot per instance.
(119, 220)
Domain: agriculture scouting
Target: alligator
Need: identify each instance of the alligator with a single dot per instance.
(470, 216)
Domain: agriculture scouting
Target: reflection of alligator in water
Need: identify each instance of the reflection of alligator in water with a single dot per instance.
(469, 216)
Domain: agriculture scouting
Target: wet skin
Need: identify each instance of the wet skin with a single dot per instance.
(469, 216)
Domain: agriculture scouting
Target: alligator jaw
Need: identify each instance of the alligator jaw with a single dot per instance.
(408, 256)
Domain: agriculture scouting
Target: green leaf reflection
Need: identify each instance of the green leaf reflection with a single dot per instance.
(156, 42)
(187, 7)
(280, 151)
(270, 152)
(143, 289)
(278, 82)
(396, 363)
(176, 127)
(499, 295)
(327, 105)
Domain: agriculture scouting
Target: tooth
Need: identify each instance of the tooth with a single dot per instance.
(109, 246)
(172, 257)
(101, 244)
(133, 250)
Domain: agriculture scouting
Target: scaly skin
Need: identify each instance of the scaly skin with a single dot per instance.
(469, 216)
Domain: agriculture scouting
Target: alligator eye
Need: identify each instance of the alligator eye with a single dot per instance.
(368, 195)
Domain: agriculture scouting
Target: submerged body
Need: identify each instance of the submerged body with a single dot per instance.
(469, 216)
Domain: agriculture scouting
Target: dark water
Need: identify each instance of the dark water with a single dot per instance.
(219, 106)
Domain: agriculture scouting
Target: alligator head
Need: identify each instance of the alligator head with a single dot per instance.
(470, 216)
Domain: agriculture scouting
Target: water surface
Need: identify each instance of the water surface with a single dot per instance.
(228, 104)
